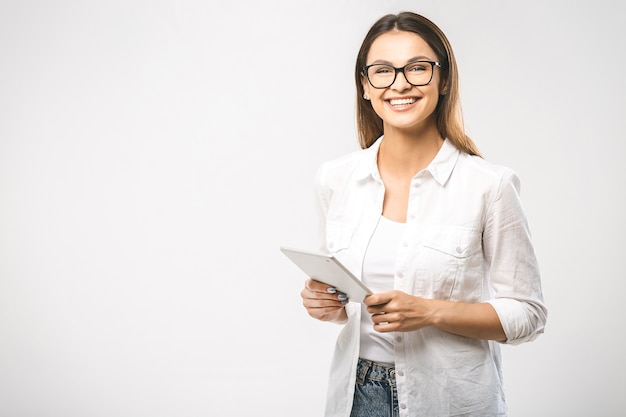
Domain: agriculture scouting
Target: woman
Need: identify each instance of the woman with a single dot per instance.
(437, 233)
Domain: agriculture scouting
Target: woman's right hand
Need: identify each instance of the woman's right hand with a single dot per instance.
(324, 302)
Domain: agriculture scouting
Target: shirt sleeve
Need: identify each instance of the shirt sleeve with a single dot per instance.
(512, 264)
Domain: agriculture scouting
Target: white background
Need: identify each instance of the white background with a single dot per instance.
(155, 154)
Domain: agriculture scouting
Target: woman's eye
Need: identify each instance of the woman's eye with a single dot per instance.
(383, 70)
(417, 68)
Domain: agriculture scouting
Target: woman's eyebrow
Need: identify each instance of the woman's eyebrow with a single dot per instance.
(381, 61)
(414, 59)
(420, 58)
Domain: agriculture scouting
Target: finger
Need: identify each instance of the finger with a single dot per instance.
(307, 294)
(379, 308)
(318, 286)
(385, 322)
(323, 298)
(377, 299)
(381, 317)
(324, 290)
(385, 327)
(320, 303)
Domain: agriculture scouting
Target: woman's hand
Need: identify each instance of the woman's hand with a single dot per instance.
(396, 311)
(324, 302)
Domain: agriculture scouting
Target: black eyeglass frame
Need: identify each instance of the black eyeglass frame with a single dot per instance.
(433, 64)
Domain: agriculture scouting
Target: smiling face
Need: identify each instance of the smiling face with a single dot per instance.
(403, 106)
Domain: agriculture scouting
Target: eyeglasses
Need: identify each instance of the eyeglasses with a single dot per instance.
(416, 73)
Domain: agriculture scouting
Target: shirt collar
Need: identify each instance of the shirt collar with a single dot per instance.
(440, 168)
(444, 162)
(368, 165)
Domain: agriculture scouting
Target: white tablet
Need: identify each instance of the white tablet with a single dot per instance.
(327, 269)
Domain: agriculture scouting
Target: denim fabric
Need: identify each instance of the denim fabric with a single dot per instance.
(375, 394)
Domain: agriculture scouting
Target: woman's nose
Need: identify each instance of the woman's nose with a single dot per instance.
(400, 83)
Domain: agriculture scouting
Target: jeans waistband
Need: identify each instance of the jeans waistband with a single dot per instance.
(375, 371)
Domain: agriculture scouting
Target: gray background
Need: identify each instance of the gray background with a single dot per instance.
(155, 155)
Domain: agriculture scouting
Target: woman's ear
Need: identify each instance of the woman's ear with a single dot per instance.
(366, 87)
(443, 88)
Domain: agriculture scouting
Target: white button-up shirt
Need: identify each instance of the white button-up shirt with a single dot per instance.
(466, 239)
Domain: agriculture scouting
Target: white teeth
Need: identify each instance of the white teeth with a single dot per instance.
(402, 102)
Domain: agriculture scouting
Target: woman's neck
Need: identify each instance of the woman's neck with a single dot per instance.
(404, 153)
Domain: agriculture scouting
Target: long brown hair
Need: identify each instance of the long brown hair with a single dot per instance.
(448, 112)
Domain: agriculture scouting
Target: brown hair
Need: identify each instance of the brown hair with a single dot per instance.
(448, 112)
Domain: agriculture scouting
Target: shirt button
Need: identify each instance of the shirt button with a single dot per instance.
(458, 249)
(405, 244)
(403, 406)
(398, 339)
(400, 373)
(400, 274)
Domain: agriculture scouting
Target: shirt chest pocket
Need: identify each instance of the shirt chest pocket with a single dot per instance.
(449, 264)
(338, 236)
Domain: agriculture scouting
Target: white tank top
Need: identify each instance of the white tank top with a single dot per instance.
(378, 273)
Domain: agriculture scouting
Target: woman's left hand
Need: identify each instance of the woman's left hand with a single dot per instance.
(397, 311)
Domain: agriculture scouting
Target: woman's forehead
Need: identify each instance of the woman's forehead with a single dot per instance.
(399, 47)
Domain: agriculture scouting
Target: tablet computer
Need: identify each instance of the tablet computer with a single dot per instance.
(327, 269)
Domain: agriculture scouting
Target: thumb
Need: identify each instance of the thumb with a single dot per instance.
(377, 299)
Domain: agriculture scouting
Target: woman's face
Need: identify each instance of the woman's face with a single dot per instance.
(401, 105)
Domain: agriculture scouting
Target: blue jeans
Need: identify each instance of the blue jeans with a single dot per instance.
(375, 394)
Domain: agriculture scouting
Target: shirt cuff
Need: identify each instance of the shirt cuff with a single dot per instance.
(521, 321)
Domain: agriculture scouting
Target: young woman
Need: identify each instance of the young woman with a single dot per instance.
(437, 232)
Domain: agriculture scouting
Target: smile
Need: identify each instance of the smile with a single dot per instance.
(402, 101)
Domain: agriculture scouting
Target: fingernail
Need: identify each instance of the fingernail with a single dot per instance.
(342, 297)
(332, 290)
